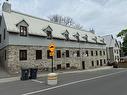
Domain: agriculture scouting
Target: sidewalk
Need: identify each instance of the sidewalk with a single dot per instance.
(4, 74)
(4, 80)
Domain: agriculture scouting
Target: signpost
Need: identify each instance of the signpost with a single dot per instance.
(52, 77)
(52, 52)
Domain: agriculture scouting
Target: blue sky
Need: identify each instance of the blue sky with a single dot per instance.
(105, 16)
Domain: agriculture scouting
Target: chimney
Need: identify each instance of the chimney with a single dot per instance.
(92, 30)
(6, 7)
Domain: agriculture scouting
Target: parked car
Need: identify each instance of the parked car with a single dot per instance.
(115, 65)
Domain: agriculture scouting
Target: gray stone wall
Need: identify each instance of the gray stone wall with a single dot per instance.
(13, 64)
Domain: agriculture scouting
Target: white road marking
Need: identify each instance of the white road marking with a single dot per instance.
(37, 81)
(51, 88)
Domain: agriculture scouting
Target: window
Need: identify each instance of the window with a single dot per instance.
(87, 53)
(97, 63)
(96, 53)
(115, 45)
(4, 34)
(100, 53)
(58, 53)
(115, 57)
(92, 63)
(118, 57)
(91, 53)
(0, 38)
(5, 54)
(23, 31)
(103, 52)
(38, 54)
(58, 66)
(95, 39)
(77, 36)
(85, 38)
(23, 54)
(101, 62)
(67, 53)
(48, 31)
(104, 61)
(49, 34)
(48, 54)
(67, 36)
(117, 51)
(67, 65)
(78, 53)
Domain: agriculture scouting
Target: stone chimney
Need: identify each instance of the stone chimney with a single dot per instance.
(6, 7)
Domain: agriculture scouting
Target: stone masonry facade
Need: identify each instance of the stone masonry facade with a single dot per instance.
(10, 58)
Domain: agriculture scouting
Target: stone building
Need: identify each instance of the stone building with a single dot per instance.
(24, 41)
(112, 48)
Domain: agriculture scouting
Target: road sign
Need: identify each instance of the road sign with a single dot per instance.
(52, 47)
(52, 50)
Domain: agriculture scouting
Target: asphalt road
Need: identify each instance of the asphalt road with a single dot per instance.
(103, 82)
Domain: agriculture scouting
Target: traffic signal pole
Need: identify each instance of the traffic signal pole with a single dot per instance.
(52, 49)
(52, 64)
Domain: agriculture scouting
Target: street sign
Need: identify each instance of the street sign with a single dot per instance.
(52, 47)
(51, 53)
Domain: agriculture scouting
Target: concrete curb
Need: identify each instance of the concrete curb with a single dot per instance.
(4, 80)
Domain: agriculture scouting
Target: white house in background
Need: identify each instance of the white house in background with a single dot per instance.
(112, 48)
(24, 40)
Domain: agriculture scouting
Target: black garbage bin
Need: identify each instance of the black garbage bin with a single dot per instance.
(115, 65)
(33, 73)
(24, 74)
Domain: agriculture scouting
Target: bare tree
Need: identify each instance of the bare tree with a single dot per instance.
(78, 26)
(67, 21)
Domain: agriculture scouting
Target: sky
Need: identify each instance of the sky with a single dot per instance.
(104, 16)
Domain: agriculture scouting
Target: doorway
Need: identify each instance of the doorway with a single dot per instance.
(83, 65)
(101, 62)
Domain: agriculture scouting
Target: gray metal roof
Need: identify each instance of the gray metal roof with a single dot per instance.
(37, 25)
(110, 41)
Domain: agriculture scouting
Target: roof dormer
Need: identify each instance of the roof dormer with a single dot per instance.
(85, 38)
(23, 27)
(95, 39)
(66, 34)
(102, 40)
(22, 23)
(77, 36)
(48, 31)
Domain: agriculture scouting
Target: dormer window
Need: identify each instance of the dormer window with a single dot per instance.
(49, 34)
(23, 27)
(95, 39)
(77, 36)
(66, 35)
(48, 31)
(102, 40)
(23, 31)
(85, 38)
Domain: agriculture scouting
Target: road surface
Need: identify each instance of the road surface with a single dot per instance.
(102, 82)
